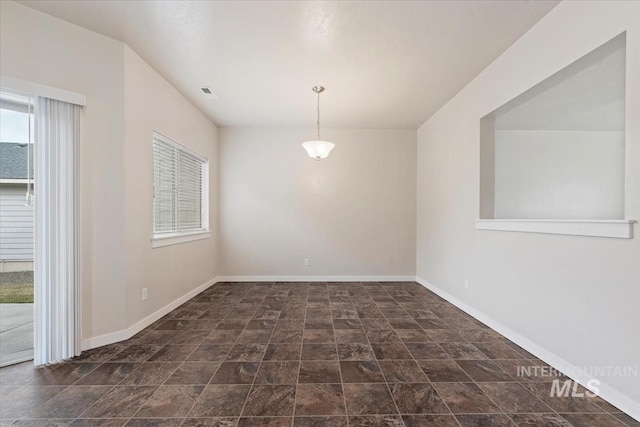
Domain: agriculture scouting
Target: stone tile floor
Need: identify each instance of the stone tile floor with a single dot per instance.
(301, 354)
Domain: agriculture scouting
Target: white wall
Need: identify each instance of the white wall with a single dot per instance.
(126, 99)
(49, 51)
(169, 272)
(352, 214)
(559, 174)
(575, 298)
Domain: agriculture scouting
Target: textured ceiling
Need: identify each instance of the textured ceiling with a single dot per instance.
(384, 63)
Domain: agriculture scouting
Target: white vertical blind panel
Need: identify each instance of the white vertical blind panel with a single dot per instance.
(57, 256)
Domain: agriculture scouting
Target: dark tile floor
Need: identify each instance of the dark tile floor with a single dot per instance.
(300, 354)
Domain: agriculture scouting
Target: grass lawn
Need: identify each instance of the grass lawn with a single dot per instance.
(16, 287)
(11, 294)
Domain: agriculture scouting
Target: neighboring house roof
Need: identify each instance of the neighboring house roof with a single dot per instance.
(13, 160)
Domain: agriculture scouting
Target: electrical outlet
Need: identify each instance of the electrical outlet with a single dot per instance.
(466, 284)
(145, 294)
(307, 262)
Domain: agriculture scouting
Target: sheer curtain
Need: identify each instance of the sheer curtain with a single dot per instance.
(57, 229)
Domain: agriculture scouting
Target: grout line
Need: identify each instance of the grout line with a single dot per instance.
(426, 376)
(295, 397)
(222, 361)
(261, 359)
(377, 361)
(473, 381)
(90, 406)
(502, 411)
(335, 341)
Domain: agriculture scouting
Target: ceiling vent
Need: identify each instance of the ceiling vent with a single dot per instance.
(208, 92)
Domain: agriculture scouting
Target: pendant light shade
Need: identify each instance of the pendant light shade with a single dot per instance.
(318, 149)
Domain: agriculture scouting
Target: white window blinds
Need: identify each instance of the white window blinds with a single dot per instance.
(178, 188)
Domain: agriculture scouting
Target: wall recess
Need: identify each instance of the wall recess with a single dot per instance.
(554, 156)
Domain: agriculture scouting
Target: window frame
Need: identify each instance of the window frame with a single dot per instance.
(173, 237)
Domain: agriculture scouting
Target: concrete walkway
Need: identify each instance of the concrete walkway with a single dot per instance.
(16, 333)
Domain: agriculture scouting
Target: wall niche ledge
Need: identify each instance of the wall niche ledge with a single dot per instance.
(613, 228)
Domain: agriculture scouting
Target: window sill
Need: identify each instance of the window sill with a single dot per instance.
(620, 229)
(177, 238)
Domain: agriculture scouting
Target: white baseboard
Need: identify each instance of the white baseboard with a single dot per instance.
(316, 278)
(127, 333)
(105, 339)
(608, 393)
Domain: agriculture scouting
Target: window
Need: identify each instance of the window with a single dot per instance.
(180, 193)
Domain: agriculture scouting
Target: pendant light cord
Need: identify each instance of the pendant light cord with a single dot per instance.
(318, 120)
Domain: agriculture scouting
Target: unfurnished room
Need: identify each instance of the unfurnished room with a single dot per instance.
(319, 213)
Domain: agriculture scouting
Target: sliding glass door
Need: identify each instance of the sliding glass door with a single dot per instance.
(39, 227)
(16, 228)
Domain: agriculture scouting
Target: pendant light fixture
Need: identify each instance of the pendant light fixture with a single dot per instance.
(318, 149)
